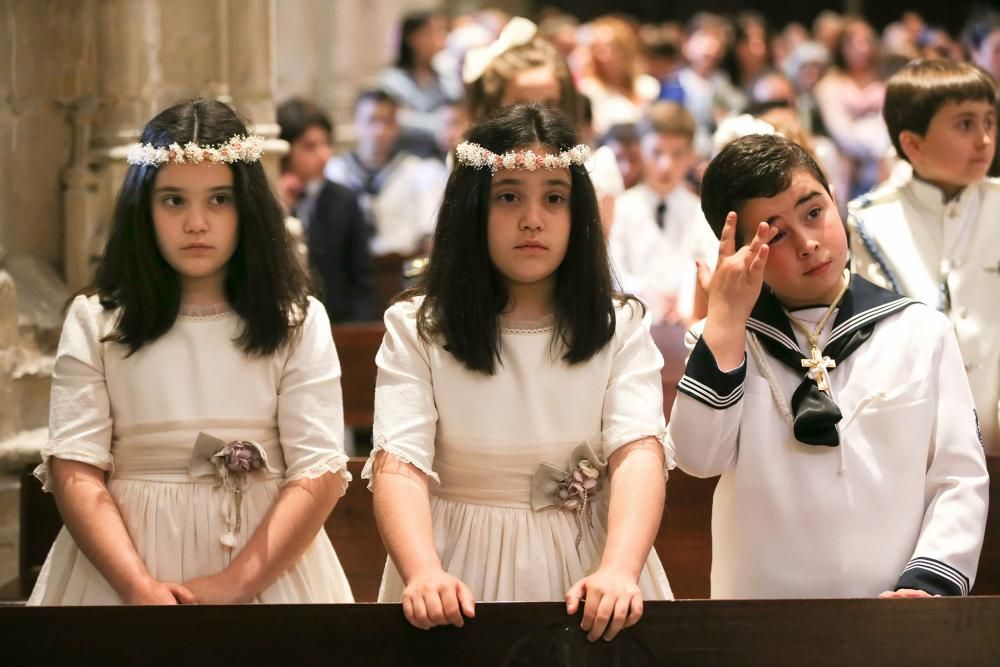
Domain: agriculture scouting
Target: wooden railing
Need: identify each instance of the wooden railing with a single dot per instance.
(684, 541)
(942, 631)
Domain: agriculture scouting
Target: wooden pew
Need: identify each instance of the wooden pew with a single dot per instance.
(669, 338)
(683, 543)
(388, 279)
(357, 345)
(942, 631)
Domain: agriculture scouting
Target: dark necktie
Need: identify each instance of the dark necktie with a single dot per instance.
(661, 215)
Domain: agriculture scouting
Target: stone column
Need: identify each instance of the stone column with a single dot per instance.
(151, 54)
(47, 60)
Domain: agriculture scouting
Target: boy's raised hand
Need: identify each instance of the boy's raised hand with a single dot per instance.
(733, 291)
(739, 273)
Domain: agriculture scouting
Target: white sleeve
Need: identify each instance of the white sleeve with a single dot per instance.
(633, 400)
(80, 407)
(405, 413)
(956, 488)
(310, 404)
(705, 421)
(618, 248)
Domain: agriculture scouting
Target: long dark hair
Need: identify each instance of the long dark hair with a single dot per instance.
(411, 23)
(265, 284)
(464, 293)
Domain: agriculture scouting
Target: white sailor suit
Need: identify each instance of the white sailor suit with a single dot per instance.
(879, 485)
(905, 237)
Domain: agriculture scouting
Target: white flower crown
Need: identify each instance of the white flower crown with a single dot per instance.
(474, 155)
(237, 149)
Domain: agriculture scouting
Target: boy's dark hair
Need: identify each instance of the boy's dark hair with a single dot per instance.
(265, 284)
(376, 95)
(620, 133)
(295, 117)
(667, 118)
(757, 165)
(918, 91)
(464, 293)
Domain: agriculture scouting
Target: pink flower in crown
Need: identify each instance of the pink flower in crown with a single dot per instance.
(528, 160)
(176, 153)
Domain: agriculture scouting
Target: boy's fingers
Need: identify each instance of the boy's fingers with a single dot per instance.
(727, 241)
(760, 260)
(760, 238)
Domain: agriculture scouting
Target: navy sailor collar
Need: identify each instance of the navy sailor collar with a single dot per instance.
(864, 303)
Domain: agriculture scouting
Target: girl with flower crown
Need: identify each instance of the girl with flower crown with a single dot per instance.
(518, 410)
(520, 66)
(196, 419)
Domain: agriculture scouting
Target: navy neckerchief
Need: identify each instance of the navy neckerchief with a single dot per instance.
(371, 181)
(815, 415)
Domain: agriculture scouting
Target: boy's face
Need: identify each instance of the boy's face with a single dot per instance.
(629, 160)
(808, 247)
(703, 51)
(377, 129)
(309, 154)
(959, 144)
(666, 159)
(454, 123)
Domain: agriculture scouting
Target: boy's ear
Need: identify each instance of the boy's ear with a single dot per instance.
(912, 145)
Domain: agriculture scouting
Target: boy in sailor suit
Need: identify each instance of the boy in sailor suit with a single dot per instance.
(934, 237)
(398, 192)
(837, 413)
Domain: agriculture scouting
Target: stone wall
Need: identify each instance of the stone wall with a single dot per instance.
(35, 136)
(328, 50)
(78, 79)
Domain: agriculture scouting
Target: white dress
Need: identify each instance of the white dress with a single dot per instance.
(482, 439)
(138, 418)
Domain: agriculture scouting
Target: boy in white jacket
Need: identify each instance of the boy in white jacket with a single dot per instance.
(838, 413)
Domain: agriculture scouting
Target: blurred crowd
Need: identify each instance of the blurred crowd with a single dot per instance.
(654, 100)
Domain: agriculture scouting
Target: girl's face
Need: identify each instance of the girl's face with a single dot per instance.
(429, 39)
(752, 49)
(194, 216)
(859, 47)
(538, 84)
(309, 154)
(529, 224)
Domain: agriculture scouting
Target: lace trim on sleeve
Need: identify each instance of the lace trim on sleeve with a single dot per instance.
(336, 465)
(380, 445)
(82, 452)
(669, 461)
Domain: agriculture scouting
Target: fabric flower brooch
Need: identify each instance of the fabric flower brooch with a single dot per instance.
(572, 488)
(233, 463)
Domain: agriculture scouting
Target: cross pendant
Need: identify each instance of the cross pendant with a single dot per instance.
(818, 365)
